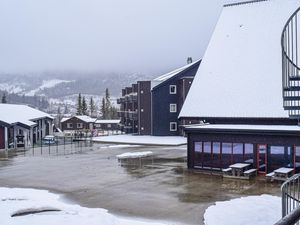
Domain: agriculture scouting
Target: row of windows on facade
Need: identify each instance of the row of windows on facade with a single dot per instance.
(172, 88)
(80, 125)
(173, 108)
(173, 126)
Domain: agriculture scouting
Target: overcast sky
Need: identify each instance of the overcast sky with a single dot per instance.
(143, 36)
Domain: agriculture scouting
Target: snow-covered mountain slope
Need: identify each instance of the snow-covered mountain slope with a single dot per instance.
(46, 84)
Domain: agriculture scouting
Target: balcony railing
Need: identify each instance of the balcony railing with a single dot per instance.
(290, 41)
(290, 201)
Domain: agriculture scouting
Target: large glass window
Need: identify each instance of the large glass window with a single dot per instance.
(216, 155)
(249, 154)
(238, 153)
(276, 158)
(198, 154)
(226, 154)
(207, 154)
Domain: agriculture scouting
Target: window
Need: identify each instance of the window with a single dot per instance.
(69, 125)
(173, 126)
(109, 125)
(173, 108)
(79, 125)
(172, 89)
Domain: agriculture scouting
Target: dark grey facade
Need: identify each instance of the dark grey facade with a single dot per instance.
(152, 107)
(135, 105)
(165, 100)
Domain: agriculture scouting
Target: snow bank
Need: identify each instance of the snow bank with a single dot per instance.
(142, 140)
(13, 200)
(132, 155)
(258, 210)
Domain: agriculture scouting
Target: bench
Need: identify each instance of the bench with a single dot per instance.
(270, 176)
(227, 171)
(251, 172)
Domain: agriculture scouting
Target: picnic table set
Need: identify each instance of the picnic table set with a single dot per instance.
(244, 171)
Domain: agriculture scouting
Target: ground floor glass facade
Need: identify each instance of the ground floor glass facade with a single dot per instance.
(265, 158)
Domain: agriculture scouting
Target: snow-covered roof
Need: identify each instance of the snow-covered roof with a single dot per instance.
(245, 127)
(107, 121)
(64, 119)
(240, 74)
(171, 74)
(13, 114)
(84, 118)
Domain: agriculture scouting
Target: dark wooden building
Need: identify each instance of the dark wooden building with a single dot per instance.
(237, 98)
(135, 108)
(152, 107)
(168, 95)
(78, 123)
(107, 125)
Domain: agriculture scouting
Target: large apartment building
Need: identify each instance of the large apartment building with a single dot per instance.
(135, 108)
(152, 107)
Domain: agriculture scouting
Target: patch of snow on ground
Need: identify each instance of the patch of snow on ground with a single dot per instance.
(122, 146)
(15, 199)
(142, 140)
(132, 155)
(258, 210)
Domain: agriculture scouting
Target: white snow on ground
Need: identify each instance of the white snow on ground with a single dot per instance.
(122, 146)
(132, 155)
(258, 210)
(142, 140)
(14, 200)
(47, 84)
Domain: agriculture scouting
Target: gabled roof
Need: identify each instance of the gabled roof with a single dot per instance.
(172, 74)
(240, 74)
(84, 118)
(13, 114)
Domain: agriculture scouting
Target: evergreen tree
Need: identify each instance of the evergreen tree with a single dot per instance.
(103, 109)
(107, 104)
(84, 106)
(58, 117)
(79, 105)
(3, 100)
(92, 107)
(66, 110)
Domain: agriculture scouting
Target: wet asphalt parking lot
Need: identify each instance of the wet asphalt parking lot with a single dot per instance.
(157, 188)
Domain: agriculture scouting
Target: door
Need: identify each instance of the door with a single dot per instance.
(262, 158)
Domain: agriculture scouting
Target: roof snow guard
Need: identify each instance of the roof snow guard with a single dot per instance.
(241, 73)
(243, 3)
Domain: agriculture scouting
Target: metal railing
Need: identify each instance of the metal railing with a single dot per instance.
(290, 41)
(290, 201)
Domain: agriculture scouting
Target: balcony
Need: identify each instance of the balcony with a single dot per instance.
(120, 100)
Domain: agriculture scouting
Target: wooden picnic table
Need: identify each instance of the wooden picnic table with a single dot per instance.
(283, 172)
(238, 168)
